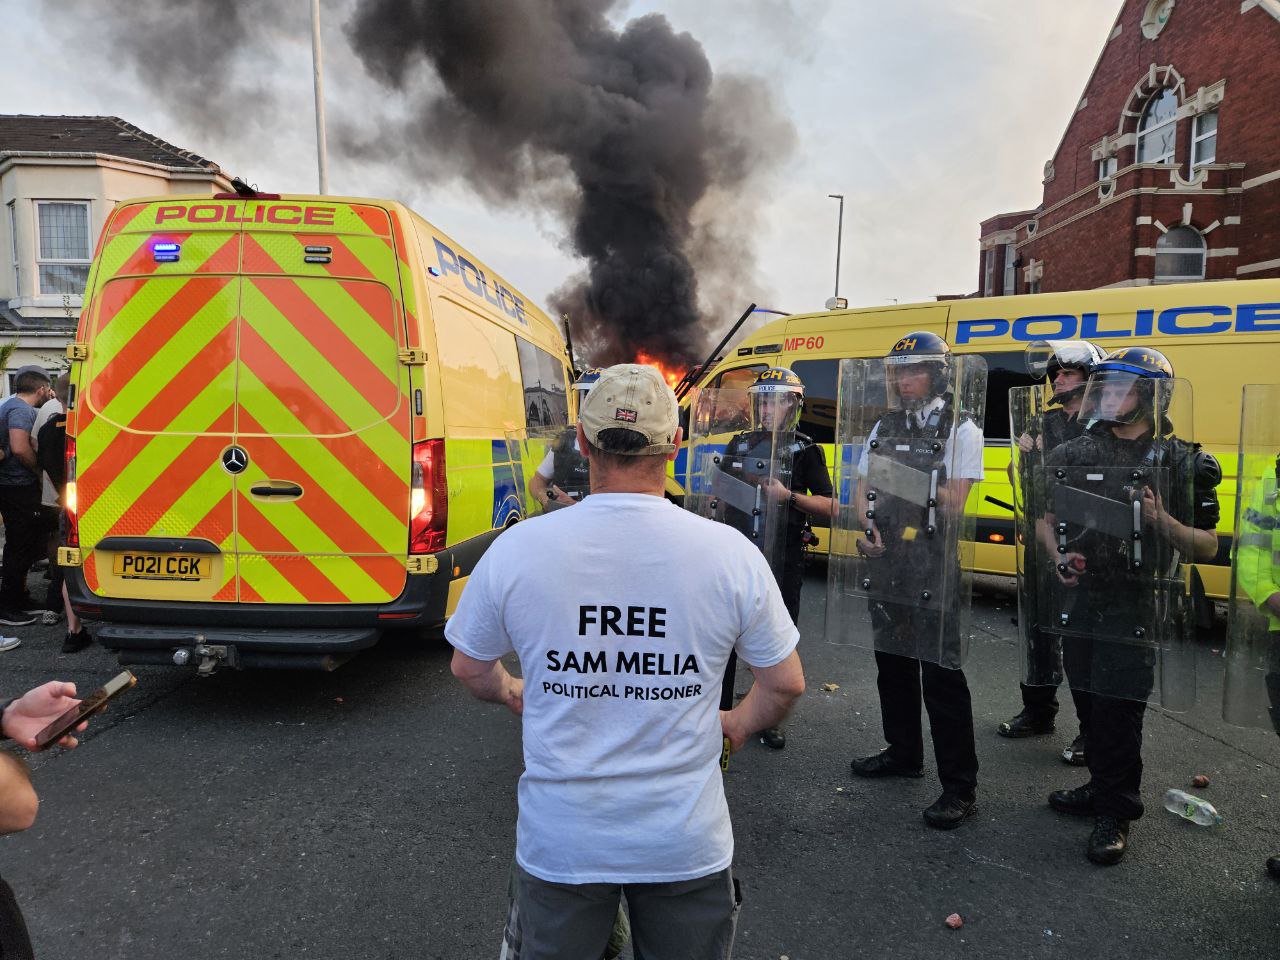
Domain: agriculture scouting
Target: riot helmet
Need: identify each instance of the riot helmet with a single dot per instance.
(587, 380)
(777, 396)
(1046, 358)
(920, 352)
(1125, 388)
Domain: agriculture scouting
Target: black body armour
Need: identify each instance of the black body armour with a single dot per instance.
(749, 457)
(570, 471)
(914, 557)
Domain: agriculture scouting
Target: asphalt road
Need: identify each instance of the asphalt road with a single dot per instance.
(370, 813)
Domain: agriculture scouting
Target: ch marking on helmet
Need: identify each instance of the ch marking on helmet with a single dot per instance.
(906, 343)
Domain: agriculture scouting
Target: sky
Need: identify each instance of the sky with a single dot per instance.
(928, 115)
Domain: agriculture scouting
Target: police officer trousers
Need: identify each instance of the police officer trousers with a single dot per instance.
(903, 679)
(1115, 721)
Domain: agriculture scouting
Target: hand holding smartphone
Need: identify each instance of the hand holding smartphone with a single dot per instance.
(93, 703)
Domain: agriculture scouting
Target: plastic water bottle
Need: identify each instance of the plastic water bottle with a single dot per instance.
(1192, 808)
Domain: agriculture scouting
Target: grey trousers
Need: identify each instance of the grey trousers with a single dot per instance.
(687, 920)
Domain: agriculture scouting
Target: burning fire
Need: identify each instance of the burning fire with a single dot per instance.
(671, 375)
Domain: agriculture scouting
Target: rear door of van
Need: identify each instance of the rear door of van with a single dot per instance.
(242, 432)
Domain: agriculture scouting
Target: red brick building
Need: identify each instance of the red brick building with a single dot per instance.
(1169, 171)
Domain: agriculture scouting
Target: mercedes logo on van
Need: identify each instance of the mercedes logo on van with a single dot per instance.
(234, 460)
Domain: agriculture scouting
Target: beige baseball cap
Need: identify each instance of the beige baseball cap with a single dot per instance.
(634, 397)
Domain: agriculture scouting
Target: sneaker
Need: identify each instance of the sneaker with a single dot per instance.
(15, 618)
(1109, 841)
(1026, 724)
(1075, 754)
(773, 737)
(1273, 867)
(8, 643)
(75, 642)
(49, 617)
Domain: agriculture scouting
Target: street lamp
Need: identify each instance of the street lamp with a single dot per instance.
(317, 75)
(836, 302)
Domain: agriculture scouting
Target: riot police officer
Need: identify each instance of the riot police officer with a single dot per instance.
(562, 479)
(918, 647)
(1108, 583)
(1065, 365)
(802, 483)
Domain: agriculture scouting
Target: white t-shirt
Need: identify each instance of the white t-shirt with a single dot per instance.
(962, 451)
(623, 612)
(547, 468)
(47, 411)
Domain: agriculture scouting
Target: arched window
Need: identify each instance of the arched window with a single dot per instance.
(1180, 256)
(1158, 128)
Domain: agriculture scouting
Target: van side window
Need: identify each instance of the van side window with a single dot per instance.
(738, 379)
(821, 384)
(1004, 371)
(546, 402)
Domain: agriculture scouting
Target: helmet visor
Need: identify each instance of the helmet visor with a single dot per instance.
(1044, 356)
(1117, 396)
(911, 382)
(775, 409)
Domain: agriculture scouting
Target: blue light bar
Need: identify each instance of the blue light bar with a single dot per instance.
(166, 252)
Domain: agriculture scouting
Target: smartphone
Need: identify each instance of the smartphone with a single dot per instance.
(87, 707)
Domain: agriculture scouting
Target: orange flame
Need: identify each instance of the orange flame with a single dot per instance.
(670, 374)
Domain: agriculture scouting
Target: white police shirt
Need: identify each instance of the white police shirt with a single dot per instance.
(962, 452)
(623, 612)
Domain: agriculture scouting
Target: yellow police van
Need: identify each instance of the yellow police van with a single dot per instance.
(1217, 335)
(291, 426)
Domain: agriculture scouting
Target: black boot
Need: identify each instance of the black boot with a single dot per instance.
(883, 765)
(1026, 724)
(774, 737)
(949, 811)
(1077, 801)
(1109, 841)
(1273, 866)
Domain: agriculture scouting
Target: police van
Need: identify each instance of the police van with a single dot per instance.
(291, 426)
(1218, 335)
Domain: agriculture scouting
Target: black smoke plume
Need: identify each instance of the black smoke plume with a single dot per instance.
(621, 133)
(630, 116)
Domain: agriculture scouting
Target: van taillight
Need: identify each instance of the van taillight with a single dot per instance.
(69, 498)
(428, 498)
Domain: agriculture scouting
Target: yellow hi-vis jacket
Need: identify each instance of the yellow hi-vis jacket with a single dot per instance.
(1258, 550)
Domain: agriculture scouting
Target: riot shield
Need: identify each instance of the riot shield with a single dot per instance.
(899, 574)
(1251, 696)
(1041, 651)
(1099, 577)
(553, 464)
(740, 471)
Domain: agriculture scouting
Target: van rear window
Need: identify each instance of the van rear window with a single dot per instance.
(1004, 371)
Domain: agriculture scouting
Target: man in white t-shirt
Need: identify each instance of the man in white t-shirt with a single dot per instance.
(918, 647)
(622, 654)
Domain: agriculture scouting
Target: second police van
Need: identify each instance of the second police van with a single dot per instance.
(1218, 335)
(291, 426)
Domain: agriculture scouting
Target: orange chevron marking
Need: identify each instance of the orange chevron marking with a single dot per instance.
(188, 383)
(305, 576)
(183, 473)
(164, 324)
(374, 218)
(345, 357)
(122, 218)
(287, 385)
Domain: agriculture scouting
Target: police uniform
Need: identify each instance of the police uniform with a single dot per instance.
(806, 473)
(1115, 722)
(1057, 427)
(911, 563)
(569, 468)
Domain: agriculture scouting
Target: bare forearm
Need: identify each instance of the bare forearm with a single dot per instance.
(18, 801)
(762, 708)
(1199, 545)
(814, 505)
(489, 681)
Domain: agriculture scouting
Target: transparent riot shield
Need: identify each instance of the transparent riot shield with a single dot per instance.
(908, 469)
(1100, 577)
(555, 470)
(1251, 697)
(1029, 410)
(740, 470)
